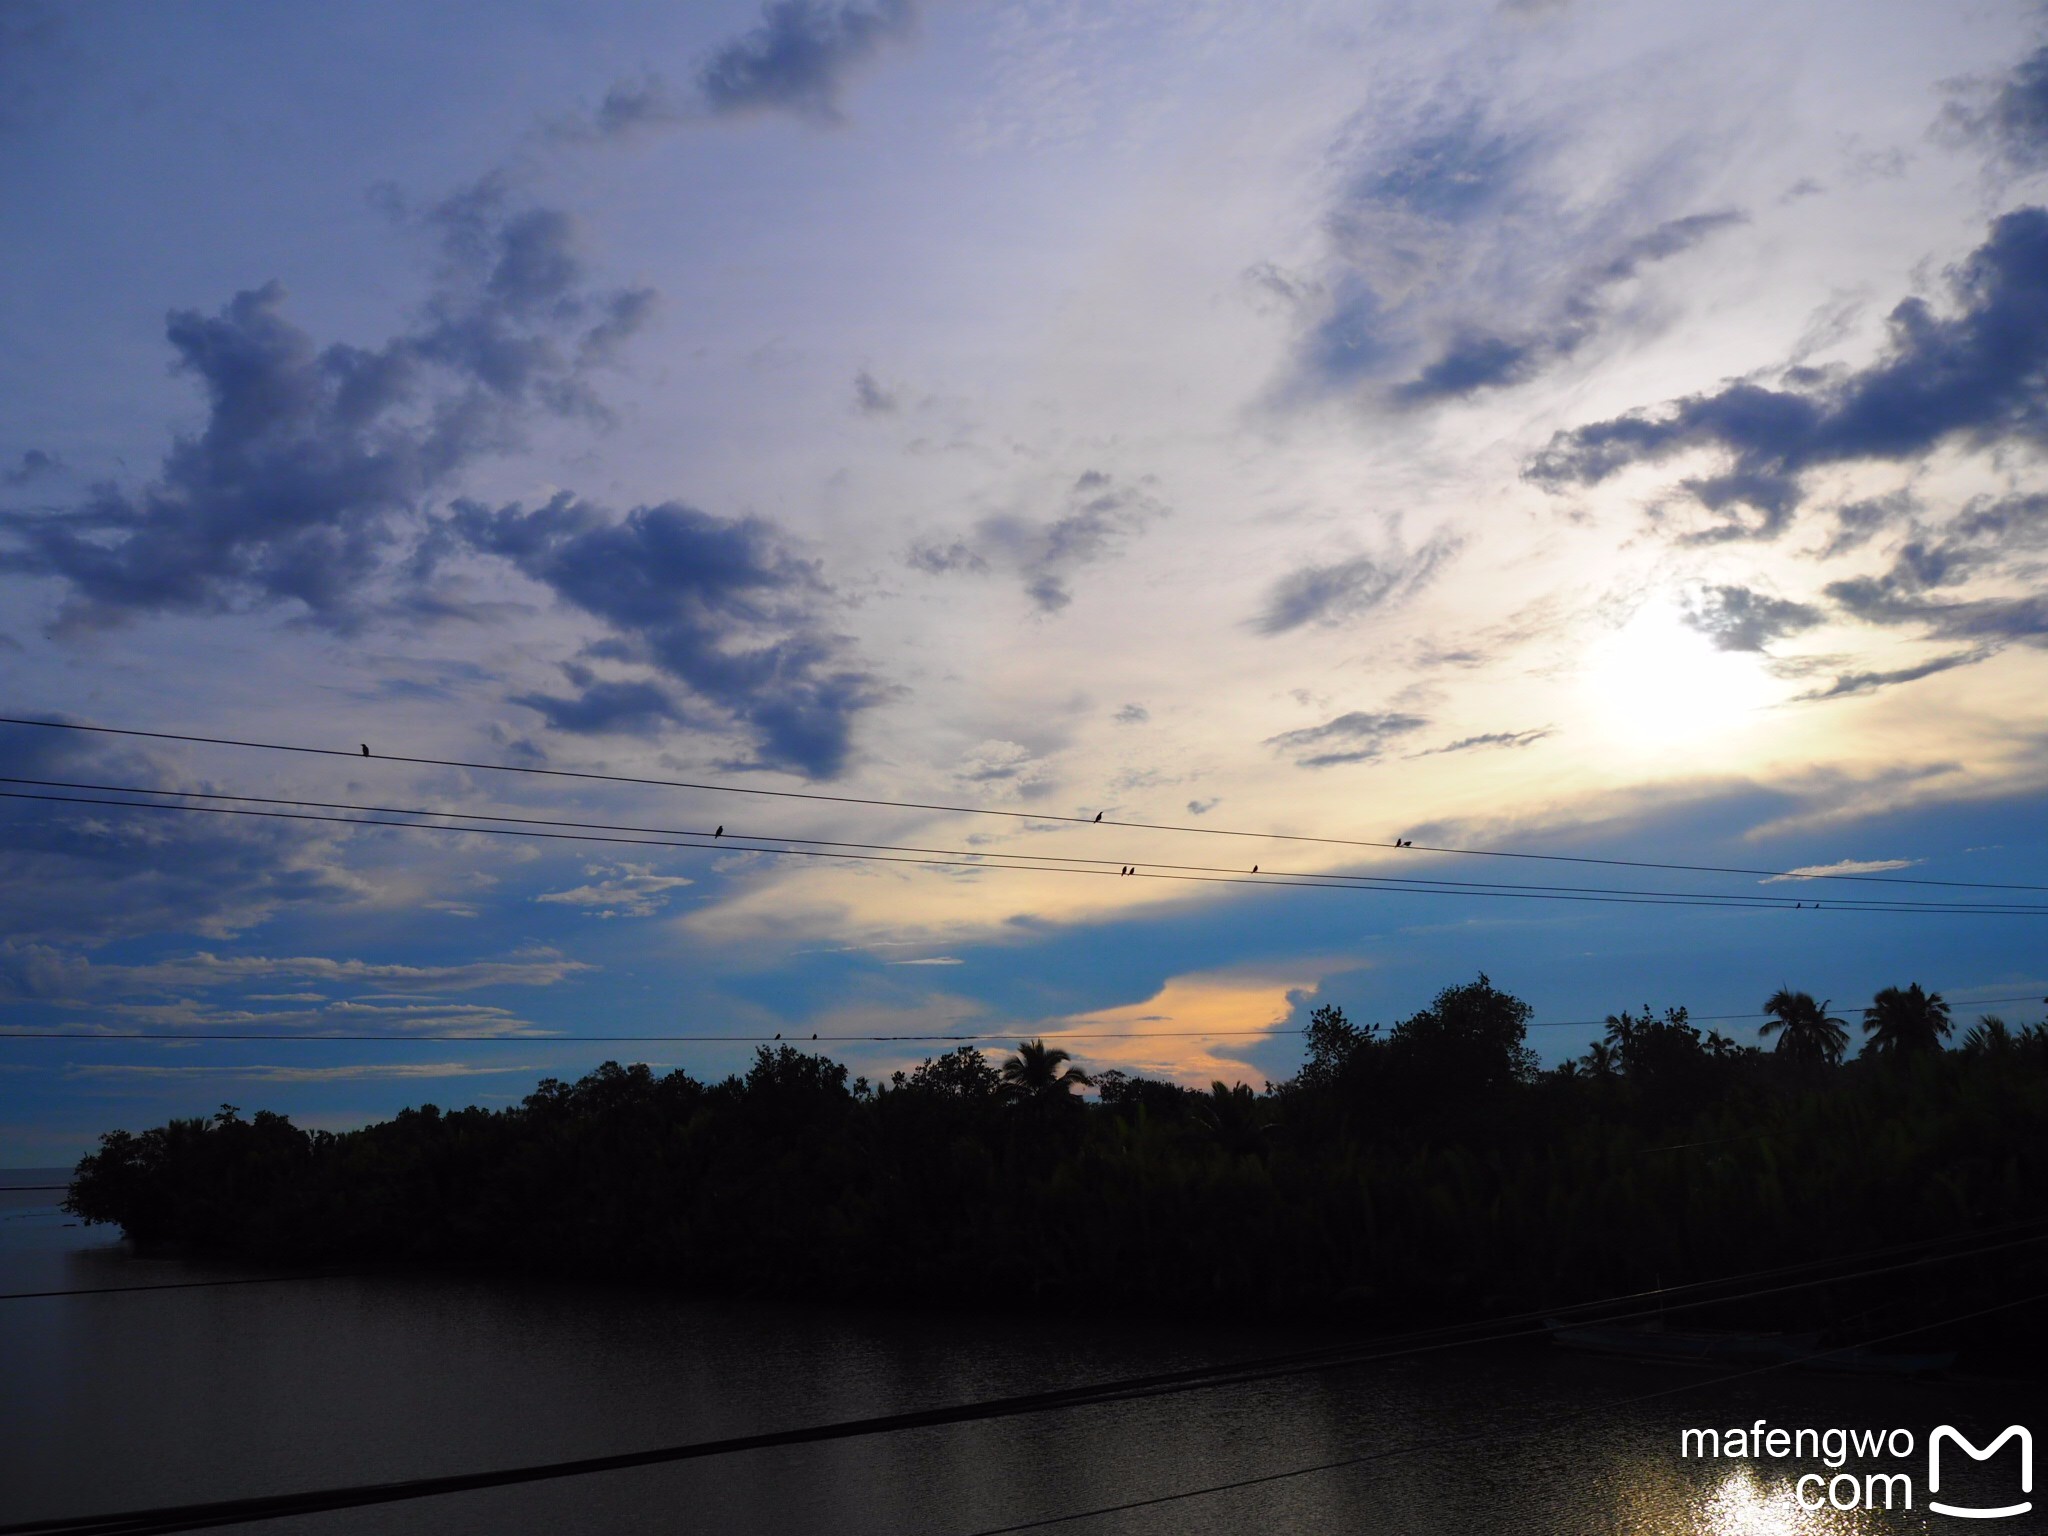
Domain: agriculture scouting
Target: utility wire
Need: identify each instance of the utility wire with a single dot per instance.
(1417, 888)
(976, 810)
(155, 1522)
(975, 859)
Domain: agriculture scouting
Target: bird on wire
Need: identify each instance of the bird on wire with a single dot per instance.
(366, 749)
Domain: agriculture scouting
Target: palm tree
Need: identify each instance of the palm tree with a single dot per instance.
(1990, 1036)
(1810, 1033)
(1034, 1073)
(1602, 1061)
(1905, 1023)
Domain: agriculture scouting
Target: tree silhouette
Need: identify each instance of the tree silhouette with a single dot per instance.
(1034, 1074)
(1990, 1036)
(1806, 1031)
(1905, 1023)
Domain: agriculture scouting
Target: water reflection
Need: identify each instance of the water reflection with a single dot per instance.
(1743, 1504)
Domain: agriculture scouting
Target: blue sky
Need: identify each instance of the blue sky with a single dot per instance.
(1592, 429)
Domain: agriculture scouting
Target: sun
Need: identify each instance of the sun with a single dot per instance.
(1657, 687)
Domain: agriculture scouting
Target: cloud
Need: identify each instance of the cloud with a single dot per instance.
(30, 32)
(1166, 1034)
(1357, 737)
(299, 487)
(1100, 515)
(870, 398)
(34, 465)
(798, 59)
(89, 873)
(1971, 377)
(1004, 762)
(1329, 595)
(2009, 118)
(1133, 714)
(1491, 739)
(205, 970)
(1461, 258)
(932, 960)
(1739, 619)
(361, 1071)
(1852, 683)
(719, 605)
(1990, 536)
(1841, 867)
(623, 890)
(633, 708)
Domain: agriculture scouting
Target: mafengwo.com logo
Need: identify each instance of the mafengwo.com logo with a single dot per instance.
(1877, 1468)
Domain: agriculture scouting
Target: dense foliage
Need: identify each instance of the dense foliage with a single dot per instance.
(1426, 1170)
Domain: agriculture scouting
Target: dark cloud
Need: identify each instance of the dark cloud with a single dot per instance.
(637, 708)
(798, 59)
(1851, 683)
(88, 873)
(870, 398)
(1357, 737)
(1974, 377)
(1739, 619)
(1457, 263)
(1491, 739)
(1992, 535)
(1101, 514)
(33, 465)
(2011, 121)
(1133, 714)
(719, 605)
(314, 461)
(1671, 238)
(1476, 360)
(30, 31)
(1335, 594)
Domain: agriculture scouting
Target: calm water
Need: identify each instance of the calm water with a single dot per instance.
(116, 1401)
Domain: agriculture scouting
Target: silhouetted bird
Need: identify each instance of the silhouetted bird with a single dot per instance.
(366, 749)
(1098, 815)
(778, 1034)
(721, 830)
(814, 1034)
(1255, 869)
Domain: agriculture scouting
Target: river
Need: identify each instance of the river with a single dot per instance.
(133, 1399)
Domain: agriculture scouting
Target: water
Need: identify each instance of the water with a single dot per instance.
(122, 1400)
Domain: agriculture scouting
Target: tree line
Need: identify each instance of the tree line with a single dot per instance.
(1424, 1171)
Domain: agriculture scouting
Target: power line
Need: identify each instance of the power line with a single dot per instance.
(1417, 887)
(975, 810)
(973, 859)
(153, 1522)
(179, 1285)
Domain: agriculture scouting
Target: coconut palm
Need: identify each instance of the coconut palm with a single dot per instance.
(1035, 1073)
(1901, 1023)
(1806, 1031)
(1990, 1036)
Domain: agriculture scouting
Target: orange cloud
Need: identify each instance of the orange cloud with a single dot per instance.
(1192, 1030)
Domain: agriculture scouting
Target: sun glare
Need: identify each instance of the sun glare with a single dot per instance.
(1657, 686)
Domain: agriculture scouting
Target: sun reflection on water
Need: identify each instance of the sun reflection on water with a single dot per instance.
(1743, 1504)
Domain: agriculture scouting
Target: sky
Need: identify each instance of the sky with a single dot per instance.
(1549, 426)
